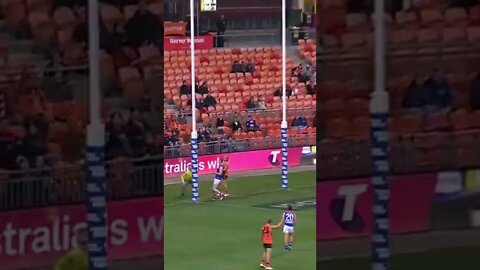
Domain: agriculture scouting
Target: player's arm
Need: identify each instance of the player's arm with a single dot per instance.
(281, 221)
(276, 226)
(184, 175)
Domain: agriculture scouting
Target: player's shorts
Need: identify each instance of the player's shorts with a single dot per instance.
(287, 229)
(217, 181)
(265, 246)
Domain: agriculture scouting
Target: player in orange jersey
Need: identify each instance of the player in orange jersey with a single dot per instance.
(223, 185)
(267, 239)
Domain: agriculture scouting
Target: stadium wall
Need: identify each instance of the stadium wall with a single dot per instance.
(38, 237)
(437, 201)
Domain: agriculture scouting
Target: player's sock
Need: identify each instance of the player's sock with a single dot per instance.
(286, 248)
(290, 245)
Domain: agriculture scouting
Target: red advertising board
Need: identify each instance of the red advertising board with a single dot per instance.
(241, 161)
(183, 43)
(174, 28)
(38, 237)
(344, 208)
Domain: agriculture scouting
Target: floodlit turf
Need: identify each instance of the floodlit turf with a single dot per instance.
(226, 235)
(445, 259)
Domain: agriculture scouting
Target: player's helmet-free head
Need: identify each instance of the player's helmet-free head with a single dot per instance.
(189, 167)
(221, 159)
(289, 207)
(269, 221)
(225, 158)
(81, 235)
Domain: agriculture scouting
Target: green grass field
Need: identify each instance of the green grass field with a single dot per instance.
(445, 259)
(225, 235)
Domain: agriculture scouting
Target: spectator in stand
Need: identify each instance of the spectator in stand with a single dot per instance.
(221, 25)
(117, 141)
(302, 121)
(251, 124)
(210, 101)
(428, 95)
(204, 135)
(475, 93)
(416, 96)
(307, 74)
(221, 28)
(34, 144)
(439, 91)
(295, 91)
(252, 103)
(112, 43)
(278, 92)
(250, 67)
(296, 71)
(137, 133)
(310, 88)
(169, 101)
(144, 27)
(220, 123)
(243, 65)
(237, 67)
(199, 103)
(261, 103)
(173, 124)
(203, 88)
(185, 89)
(10, 148)
(236, 124)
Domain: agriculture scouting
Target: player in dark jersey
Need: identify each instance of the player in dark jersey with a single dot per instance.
(219, 177)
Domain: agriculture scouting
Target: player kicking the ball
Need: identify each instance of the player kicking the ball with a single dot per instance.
(289, 219)
(219, 177)
(267, 239)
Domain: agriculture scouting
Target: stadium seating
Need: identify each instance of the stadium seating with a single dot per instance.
(233, 90)
(432, 25)
(419, 40)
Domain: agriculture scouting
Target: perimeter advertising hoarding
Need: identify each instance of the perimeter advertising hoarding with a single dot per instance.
(38, 237)
(309, 155)
(344, 208)
(239, 162)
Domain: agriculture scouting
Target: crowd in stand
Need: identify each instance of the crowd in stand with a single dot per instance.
(204, 100)
(433, 93)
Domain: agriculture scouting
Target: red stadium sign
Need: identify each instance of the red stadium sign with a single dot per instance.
(38, 237)
(344, 208)
(183, 43)
(175, 28)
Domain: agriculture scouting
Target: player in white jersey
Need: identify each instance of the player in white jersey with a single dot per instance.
(219, 177)
(289, 219)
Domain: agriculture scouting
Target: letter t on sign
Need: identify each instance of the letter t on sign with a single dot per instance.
(350, 192)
